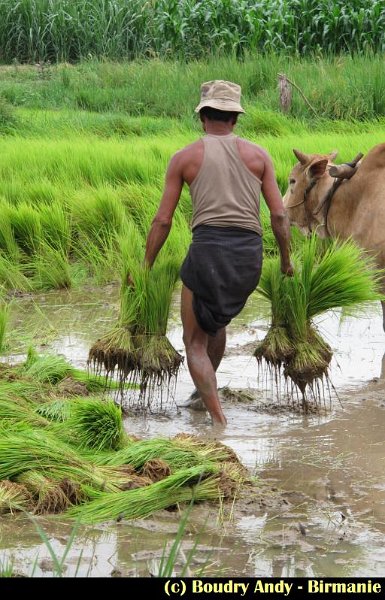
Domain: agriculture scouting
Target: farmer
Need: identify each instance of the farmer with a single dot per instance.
(225, 175)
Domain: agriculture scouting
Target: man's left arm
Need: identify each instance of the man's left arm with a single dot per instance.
(161, 224)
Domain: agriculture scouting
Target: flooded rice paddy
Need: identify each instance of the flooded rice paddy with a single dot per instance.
(320, 506)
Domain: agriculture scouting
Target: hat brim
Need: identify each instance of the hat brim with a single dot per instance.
(225, 105)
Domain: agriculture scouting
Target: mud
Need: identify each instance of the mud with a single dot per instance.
(319, 505)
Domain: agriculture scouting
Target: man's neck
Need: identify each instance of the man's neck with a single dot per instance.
(218, 128)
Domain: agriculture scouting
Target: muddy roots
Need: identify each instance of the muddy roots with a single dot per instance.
(156, 469)
(303, 361)
(147, 361)
(310, 362)
(276, 348)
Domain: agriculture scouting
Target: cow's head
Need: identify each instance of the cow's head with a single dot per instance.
(309, 182)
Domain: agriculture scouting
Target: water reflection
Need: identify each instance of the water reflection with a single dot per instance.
(326, 516)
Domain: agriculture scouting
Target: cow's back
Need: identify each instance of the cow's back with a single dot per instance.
(358, 208)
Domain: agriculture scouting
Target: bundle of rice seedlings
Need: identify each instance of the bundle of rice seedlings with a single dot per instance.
(341, 276)
(42, 451)
(14, 497)
(172, 455)
(198, 483)
(277, 346)
(138, 347)
(47, 368)
(93, 424)
(20, 411)
(48, 495)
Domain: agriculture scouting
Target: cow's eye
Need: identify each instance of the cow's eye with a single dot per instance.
(292, 181)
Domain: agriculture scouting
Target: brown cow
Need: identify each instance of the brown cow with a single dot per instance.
(355, 208)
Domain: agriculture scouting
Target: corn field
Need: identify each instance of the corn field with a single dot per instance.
(70, 30)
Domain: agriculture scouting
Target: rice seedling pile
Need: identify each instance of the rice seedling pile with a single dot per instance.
(72, 454)
(339, 277)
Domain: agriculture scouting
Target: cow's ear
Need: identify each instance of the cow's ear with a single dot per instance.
(303, 159)
(333, 155)
(317, 169)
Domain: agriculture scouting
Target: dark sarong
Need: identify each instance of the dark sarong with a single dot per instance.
(222, 268)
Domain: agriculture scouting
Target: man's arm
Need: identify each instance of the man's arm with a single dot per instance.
(278, 217)
(161, 224)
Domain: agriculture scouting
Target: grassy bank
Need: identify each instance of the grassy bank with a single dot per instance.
(336, 88)
(56, 30)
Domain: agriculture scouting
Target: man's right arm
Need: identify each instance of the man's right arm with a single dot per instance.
(278, 217)
(161, 224)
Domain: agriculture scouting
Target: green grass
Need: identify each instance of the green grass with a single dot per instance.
(105, 98)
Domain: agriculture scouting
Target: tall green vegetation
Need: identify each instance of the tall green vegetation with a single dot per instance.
(63, 30)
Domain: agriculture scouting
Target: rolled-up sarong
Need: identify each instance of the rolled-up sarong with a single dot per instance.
(222, 268)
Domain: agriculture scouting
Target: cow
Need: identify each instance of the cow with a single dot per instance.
(341, 207)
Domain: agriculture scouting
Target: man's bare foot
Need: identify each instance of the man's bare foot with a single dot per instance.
(194, 402)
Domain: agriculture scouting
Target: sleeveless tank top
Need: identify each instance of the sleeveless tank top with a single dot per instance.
(225, 193)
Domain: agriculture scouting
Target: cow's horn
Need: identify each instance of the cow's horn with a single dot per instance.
(303, 159)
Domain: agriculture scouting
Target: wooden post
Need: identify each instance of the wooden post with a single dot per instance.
(284, 93)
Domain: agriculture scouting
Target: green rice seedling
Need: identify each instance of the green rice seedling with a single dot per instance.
(97, 215)
(56, 226)
(94, 383)
(7, 568)
(4, 319)
(94, 424)
(101, 258)
(26, 226)
(342, 276)
(12, 275)
(48, 368)
(51, 269)
(138, 347)
(200, 483)
(48, 495)
(8, 244)
(56, 410)
(14, 497)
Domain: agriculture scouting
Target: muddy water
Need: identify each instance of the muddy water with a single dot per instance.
(320, 508)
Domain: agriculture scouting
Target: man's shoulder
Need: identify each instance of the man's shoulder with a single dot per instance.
(252, 147)
(190, 148)
(188, 152)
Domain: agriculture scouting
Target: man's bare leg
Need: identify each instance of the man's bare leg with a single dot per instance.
(216, 347)
(201, 369)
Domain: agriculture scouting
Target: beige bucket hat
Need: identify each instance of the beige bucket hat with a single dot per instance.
(222, 95)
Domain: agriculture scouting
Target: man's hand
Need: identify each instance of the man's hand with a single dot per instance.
(287, 269)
